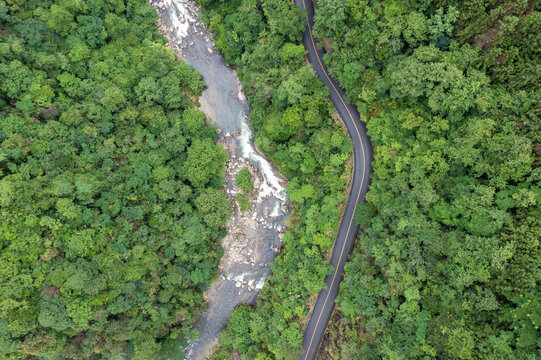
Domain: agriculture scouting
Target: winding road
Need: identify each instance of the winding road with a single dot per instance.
(362, 152)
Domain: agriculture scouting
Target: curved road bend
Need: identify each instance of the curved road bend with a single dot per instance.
(362, 152)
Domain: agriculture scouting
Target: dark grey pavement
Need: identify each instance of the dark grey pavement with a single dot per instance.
(347, 232)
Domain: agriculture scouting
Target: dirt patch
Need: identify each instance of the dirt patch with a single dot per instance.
(537, 149)
(340, 332)
(51, 291)
(487, 39)
(49, 255)
(327, 45)
(306, 59)
(500, 60)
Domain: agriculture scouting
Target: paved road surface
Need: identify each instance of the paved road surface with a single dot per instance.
(348, 229)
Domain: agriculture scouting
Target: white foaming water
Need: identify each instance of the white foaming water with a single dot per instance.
(271, 183)
(260, 283)
(240, 94)
(180, 18)
(275, 210)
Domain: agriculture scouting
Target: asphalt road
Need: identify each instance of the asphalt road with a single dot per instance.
(362, 151)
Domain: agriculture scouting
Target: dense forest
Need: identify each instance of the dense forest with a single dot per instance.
(110, 199)
(448, 265)
(297, 128)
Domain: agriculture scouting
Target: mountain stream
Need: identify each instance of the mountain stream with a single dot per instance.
(254, 236)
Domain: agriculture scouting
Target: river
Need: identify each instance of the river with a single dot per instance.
(254, 236)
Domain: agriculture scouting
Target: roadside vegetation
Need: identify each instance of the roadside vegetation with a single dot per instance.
(292, 117)
(110, 199)
(449, 263)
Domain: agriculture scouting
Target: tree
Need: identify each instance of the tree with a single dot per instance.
(148, 91)
(330, 18)
(60, 20)
(52, 314)
(205, 161)
(215, 207)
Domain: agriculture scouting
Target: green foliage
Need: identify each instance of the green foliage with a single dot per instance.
(447, 265)
(244, 202)
(110, 209)
(205, 162)
(214, 206)
(244, 181)
(236, 337)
